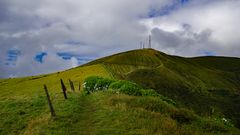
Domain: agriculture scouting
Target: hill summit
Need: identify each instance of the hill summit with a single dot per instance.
(205, 86)
(209, 85)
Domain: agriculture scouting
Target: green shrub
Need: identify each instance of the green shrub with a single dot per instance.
(149, 92)
(168, 100)
(153, 93)
(126, 87)
(183, 116)
(95, 83)
(117, 85)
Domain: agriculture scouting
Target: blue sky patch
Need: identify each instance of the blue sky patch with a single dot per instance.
(166, 10)
(208, 53)
(67, 56)
(184, 1)
(12, 56)
(39, 57)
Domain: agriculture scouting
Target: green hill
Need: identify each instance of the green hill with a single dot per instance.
(207, 88)
(208, 85)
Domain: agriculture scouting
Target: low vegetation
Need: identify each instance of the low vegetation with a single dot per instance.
(135, 92)
(207, 85)
(106, 111)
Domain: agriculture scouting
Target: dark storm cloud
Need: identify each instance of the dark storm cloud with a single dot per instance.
(166, 39)
(180, 38)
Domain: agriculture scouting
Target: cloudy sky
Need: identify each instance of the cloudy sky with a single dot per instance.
(46, 36)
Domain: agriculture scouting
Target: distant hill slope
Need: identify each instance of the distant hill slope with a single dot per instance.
(207, 85)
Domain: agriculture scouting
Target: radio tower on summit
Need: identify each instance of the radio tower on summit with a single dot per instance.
(149, 41)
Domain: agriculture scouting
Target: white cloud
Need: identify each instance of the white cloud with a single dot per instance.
(74, 62)
(217, 20)
(104, 27)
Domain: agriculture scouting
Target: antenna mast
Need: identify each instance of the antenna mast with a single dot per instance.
(149, 44)
(141, 45)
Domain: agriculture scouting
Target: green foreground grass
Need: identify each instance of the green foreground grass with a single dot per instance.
(104, 112)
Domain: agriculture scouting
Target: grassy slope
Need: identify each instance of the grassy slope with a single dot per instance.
(104, 113)
(30, 86)
(193, 83)
(208, 85)
(23, 99)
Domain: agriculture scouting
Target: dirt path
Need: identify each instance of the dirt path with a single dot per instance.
(87, 116)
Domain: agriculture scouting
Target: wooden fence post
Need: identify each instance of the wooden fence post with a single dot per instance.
(49, 102)
(71, 85)
(63, 89)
